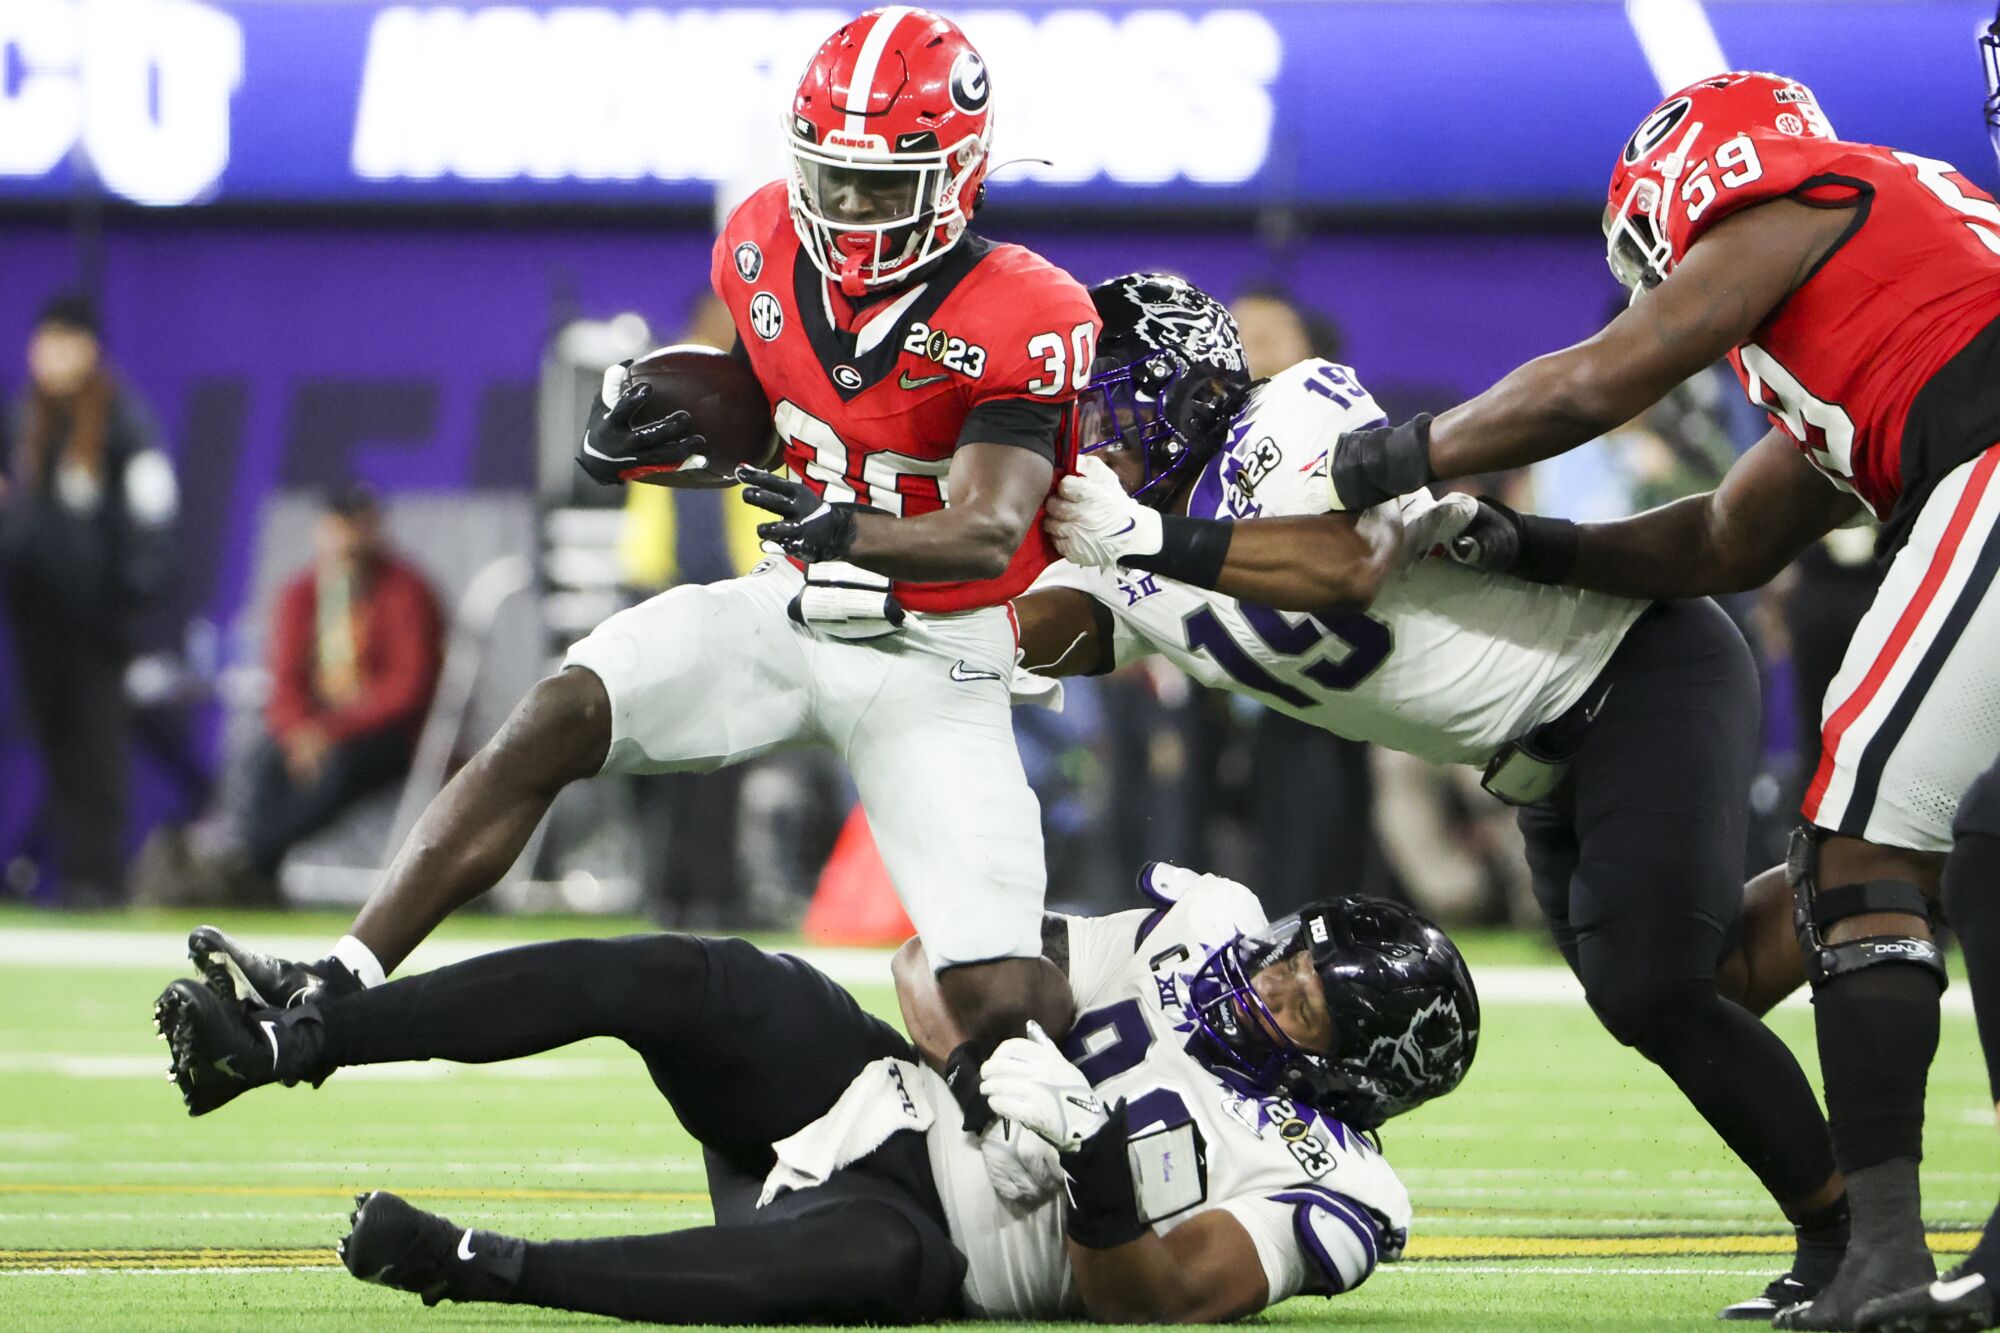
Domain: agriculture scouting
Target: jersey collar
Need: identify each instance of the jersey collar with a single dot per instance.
(872, 350)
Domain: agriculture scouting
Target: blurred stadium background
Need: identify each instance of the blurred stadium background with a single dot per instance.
(337, 241)
(393, 244)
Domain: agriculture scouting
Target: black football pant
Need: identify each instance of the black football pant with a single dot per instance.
(1638, 864)
(748, 1047)
(283, 813)
(73, 692)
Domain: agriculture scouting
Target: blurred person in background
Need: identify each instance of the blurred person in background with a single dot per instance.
(87, 508)
(1300, 777)
(356, 642)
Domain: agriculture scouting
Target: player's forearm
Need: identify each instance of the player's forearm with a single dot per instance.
(1667, 552)
(1544, 408)
(1320, 563)
(946, 546)
(1154, 1280)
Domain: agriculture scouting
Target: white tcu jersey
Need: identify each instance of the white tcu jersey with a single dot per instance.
(1449, 664)
(1319, 1202)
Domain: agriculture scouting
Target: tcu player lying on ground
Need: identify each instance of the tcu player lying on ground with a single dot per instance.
(1614, 723)
(918, 375)
(1210, 1110)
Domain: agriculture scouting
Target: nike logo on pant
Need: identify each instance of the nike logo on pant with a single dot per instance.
(465, 1245)
(962, 673)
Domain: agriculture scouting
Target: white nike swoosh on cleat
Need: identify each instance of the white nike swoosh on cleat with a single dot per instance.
(1942, 1290)
(271, 1034)
(465, 1245)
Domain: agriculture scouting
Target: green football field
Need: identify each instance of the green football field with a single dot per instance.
(1564, 1186)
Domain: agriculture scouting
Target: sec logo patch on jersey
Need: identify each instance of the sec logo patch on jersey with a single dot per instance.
(767, 317)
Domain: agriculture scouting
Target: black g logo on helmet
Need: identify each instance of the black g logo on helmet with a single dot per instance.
(1654, 129)
(969, 88)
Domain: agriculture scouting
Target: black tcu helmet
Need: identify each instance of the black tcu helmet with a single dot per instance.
(1169, 376)
(1989, 51)
(1405, 1015)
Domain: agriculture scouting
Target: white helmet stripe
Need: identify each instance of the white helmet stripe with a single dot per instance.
(863, 86)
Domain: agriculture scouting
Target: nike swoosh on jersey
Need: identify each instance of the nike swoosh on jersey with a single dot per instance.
(960, 672)
(465, 1245)
(907, 383)
(271, 1035)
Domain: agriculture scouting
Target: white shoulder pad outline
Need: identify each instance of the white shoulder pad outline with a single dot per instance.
(1344, 1239)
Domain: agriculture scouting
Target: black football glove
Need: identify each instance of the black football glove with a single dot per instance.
(614, 449)
(810, 527)
(1499, 540)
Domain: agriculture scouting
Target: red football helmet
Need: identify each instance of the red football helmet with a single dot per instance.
(1651, 208)
(889, 134)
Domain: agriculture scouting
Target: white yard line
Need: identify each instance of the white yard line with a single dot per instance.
(68, 946)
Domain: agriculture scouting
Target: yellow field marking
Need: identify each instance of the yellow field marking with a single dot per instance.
(1421, 1248)
(1629, 1247)
(348, 1192)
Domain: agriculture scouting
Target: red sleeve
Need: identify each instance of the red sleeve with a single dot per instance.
(407, 630)
(290, 658)
(1043, 337)
(1756, 167)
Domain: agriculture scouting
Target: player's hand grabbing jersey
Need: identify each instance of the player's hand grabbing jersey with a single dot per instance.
(1448, 664)
(1320, 1204)
(1861, 365)
(987, 346)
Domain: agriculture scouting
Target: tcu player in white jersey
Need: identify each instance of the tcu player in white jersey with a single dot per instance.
(1614, 724)
(1210, 1110)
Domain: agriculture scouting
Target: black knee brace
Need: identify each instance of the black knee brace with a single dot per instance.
(1816, 909)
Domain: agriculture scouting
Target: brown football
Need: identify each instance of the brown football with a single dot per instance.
(728, 406)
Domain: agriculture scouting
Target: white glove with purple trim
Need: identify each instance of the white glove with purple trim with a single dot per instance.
(1094, 523)
(1024, 1168)
(1027, 1079)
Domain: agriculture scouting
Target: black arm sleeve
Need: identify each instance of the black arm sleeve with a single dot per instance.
(1021, 422)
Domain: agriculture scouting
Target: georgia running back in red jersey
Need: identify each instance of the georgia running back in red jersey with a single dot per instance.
(871, 402)
(1853, 364)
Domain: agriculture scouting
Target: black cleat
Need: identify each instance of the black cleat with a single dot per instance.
(393, 1244)
(259, 980)
(1959, 1302)
(1869, 1273)
(1784, 1291)
(219, 1049)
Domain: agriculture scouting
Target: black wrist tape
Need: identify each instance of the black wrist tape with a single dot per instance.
(1191, 550)
(1372, 466)
(1548, 548)
(1103, 1202)
(961, 1075)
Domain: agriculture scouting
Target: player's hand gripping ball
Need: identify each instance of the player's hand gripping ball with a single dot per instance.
(682, 416)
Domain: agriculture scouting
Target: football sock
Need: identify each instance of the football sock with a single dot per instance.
(858, 1262)
(1878, 1029)
(1748, 1086)
(1985, 1256)
(1822, 1240)
(359, 959)
(1972, 905)
(643, 989)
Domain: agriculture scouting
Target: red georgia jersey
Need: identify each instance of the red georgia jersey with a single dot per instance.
(873, 415)
(1913, 281)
